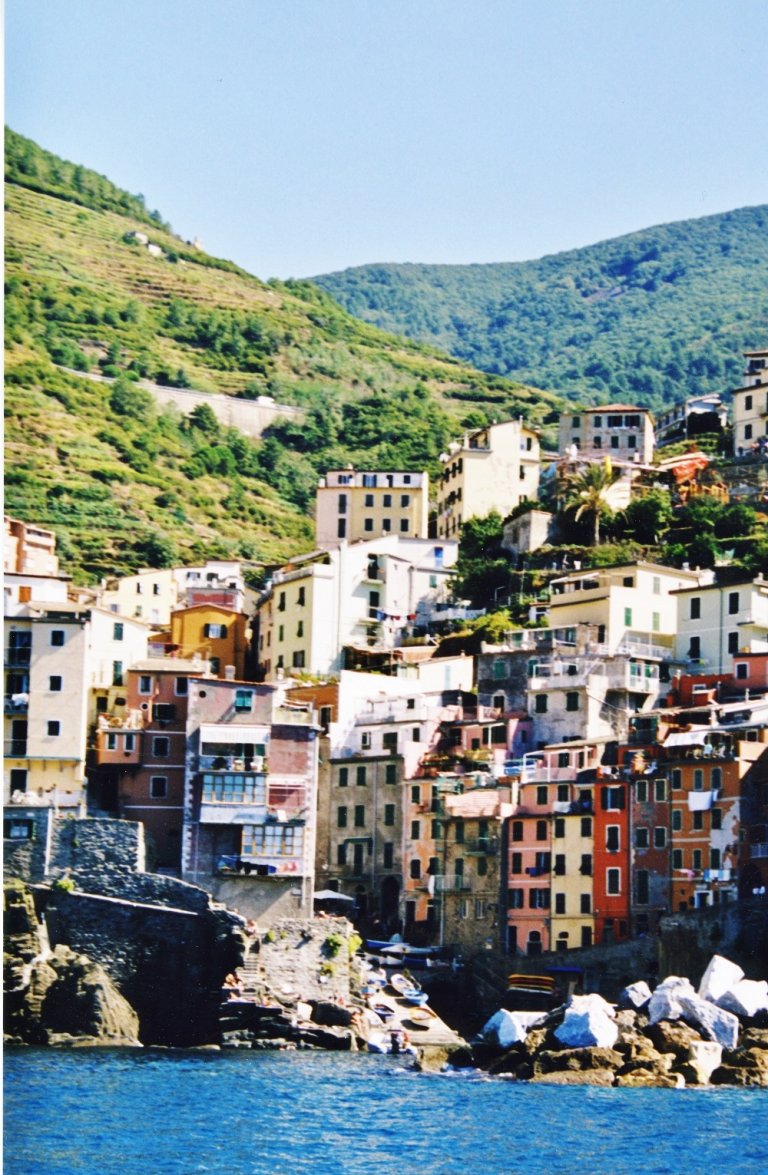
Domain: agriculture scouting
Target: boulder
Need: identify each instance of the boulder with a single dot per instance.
(643, 1078)
(672, 1037)
(745, 998)
(568, 1060)
(329, 1014)
(664, 1004)
(704, 1057)
(636, 995)
(588, 1023)
(68, 996)
(712, 1022)
(720, 975)
(743, 1067)
(504, 1029)
(754, 1038)
(604, 1077)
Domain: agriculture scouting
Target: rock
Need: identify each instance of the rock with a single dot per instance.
(673, 1038)
(642, 1078)
(577, 1077)
(720, 975)
(504, 1029)
(755, 1038)
(636, 995)
(588, 1023)
(712, 1022)
(745, 998)
(330, 1014)
(568, 1060)
(703, 1058)
(664, 1004)
(744, 1067)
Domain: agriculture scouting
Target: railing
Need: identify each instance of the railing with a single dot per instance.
(16, 704)
(639, 645)
(482, 846)
(451, 883)
(15, 748)
(284, 716)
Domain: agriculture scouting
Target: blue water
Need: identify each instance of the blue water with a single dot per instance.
(244, 1113)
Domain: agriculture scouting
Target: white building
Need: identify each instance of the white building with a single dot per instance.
(619, 431)
(715, 621)
(750, 403)
(352, 505)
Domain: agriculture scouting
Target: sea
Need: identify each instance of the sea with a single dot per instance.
(163, 1112)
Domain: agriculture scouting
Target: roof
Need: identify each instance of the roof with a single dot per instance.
(603, 408)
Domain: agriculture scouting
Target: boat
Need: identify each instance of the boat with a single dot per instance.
(530, 993)
(407, 987)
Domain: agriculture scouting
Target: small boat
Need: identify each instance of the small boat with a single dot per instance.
(422, 1015)
(407, 987)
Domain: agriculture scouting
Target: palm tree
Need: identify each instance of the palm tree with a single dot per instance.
(588, 492)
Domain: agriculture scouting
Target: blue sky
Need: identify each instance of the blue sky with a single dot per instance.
(301, 136)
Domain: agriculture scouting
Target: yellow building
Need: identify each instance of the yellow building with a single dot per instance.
(571, 911)
(352, 505)
(215, 634)
(492, 468)
(147, 595)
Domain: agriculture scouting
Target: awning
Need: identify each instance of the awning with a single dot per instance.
(330, 895)
(688, 738)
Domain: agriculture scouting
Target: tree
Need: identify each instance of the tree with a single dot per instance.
(587, 494)
(648, 518)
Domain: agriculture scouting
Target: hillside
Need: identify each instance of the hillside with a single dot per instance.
(124, 484)
(648, 318)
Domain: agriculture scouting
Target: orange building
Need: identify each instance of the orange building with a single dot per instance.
(214, 633)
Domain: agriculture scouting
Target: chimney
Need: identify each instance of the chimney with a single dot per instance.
(229, 673)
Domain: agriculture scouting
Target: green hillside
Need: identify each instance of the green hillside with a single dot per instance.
(125, 484)
(648, 318)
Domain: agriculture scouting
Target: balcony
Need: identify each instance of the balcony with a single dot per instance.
(637, 681)
(230, 763)
(15, 748)
(642, 644)
(16, 704)
(452, 883)
(482, 846)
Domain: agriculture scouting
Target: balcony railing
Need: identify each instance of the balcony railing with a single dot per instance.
(482, 846)
(452, 883)
(16, 704)
(18, 658)
(15, 748)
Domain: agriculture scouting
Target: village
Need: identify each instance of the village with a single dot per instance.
(568, 785)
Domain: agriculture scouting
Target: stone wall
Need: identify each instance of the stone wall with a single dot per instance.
(62, 845)
(738, 931)
(295, 955)
(169, 962)
(249, 416)
(26, 859)
(263, 899)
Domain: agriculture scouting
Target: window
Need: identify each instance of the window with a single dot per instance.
(641, 838)
(388, 857)
(677, 820)
(695, 608)
(631, 441)
(368, 525)
(18, 780)
(515, 899)
(389, 741)
(415, 869)
(585, 868)
(54, 727)
(694, 648)
(57, 636)
(117, 631)
(404, 525)
(559, 903)
(517, 830)
(676, 779)
(341, 816)
(717, 818)
(641, 791)
(459, 830)
(585, 903)
(415, 793)
(161, 746)
(613, 881)
(386, 500)
(217, 631)
(572, 700)
(560, 864)
(696, 862)
(540, 705)
(300, 628)
(612, 799)
(415, 830)
(158, 787)
(541, 830)
(541, 795)
(281, 602)
(733, 642)
(343, 776)
(598, 442)
(389, 814)
(612, 838)
(677, 858)
(656, 621)
(661, 790)
(614, 441)
(628, 616)
(341, 528)
(145, 684)
(359, 815)
(181, 688)
(369, 499)
(298, 659)
(747, 432)
(733, 603)
(129, 742)
(163, 712)
(117, 673)
(243, 701)
(517, 863)
(715, 859)
(538, 899)
(360, 776)
(559, 827)
(111, 742)
(386, 525)
(405, 500)
(341, 854)
(742, 671)
(342, 503)
(562, 788)
(54, 684)
(698, 779)
(747, 403)
(641, 887)
(698, 821)
(656, 585)
(390, 773)
(659, 837)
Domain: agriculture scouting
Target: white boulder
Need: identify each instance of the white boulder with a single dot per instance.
(721, 975)
(704, 1056)
(745, 998)
(504, 1029)
(588, 1023)
(712, 1022)
(636, 995)
(664, 1004)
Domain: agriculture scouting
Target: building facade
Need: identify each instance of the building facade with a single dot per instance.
(491, 468)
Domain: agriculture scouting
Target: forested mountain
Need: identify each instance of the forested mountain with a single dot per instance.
(125, 484)
(647, 318)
